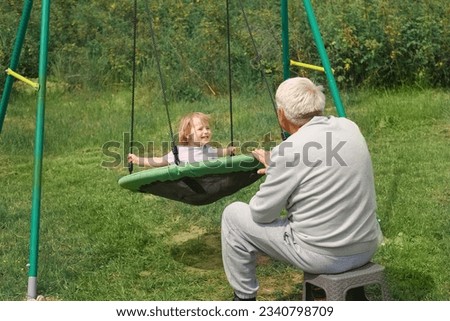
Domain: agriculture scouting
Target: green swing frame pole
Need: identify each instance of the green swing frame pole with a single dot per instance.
(285, 39)
(38, 152)
(20, 36)
(324, 58)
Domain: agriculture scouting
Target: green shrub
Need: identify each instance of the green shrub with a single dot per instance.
(372, 43)
(388, 43)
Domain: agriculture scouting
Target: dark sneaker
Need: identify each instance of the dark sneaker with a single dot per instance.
(236, 298)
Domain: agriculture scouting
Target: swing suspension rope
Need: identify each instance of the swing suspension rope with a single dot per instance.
(163, 84)
(229, 72)
(258, 60)
(133, 84)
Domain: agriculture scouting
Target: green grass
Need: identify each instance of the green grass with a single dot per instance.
(100, 242)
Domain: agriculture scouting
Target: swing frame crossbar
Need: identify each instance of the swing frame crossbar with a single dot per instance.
(33, 84)
(308, 66)
(41, 94)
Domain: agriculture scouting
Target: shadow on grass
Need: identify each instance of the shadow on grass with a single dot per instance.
(392, 195)
(277, 280)
(202, 252)
(409, 285)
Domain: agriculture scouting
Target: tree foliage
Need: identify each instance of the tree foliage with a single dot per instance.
(369, 42)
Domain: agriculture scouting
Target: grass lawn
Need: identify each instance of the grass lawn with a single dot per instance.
(101, 242)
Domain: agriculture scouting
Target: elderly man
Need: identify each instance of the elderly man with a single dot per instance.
(322, 176)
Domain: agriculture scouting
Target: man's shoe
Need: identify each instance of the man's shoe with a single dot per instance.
(236, 298)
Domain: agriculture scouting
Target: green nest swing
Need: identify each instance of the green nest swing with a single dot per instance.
(198, 183)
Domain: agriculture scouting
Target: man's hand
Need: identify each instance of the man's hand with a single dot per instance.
(263, 157)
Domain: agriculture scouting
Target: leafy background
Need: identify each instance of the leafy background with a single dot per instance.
(374, 43)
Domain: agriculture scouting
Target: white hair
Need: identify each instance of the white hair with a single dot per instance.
(300, 98)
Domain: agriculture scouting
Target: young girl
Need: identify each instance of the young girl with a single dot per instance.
(194, 135)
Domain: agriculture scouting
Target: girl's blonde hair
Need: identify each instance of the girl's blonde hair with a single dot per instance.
(186, 124)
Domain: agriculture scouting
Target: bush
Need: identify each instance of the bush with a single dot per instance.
(371, 43)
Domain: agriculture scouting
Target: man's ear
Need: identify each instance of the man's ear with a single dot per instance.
(282, 118)
(285, 123)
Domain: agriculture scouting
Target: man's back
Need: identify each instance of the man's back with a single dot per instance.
(328, 188)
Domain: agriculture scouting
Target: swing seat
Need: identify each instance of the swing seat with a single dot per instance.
(197, 183)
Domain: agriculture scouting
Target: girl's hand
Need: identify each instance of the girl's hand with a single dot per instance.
(133, 159)
(231, 150)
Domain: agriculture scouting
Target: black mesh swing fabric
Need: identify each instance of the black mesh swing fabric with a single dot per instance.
(201, 190)
(196, 183)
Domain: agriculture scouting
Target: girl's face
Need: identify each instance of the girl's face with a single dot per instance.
(200, 133)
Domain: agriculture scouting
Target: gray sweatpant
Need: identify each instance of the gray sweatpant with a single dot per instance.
(242, 238)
